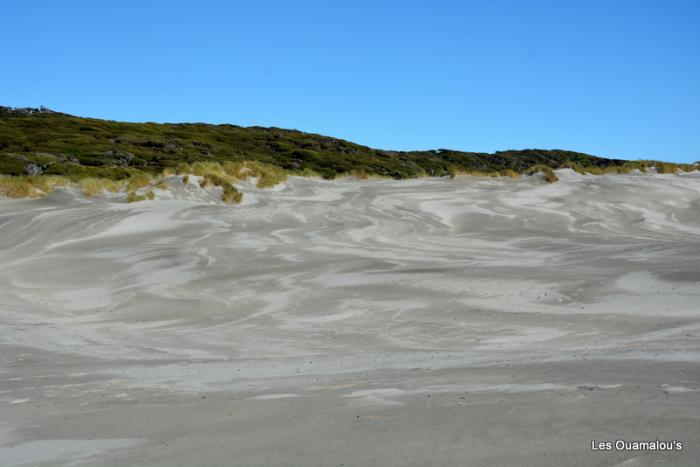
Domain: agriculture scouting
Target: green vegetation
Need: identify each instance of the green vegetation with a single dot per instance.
(139, 155)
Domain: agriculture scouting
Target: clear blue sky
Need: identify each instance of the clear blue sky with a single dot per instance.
(613, 78)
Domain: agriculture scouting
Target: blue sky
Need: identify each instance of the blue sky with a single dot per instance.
(612, 78)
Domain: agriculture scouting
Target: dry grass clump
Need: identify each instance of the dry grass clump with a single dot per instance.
(30, 187)
(161, 185)
(183, 168)
(547, 172)
(509, 173)
(231, 172)
(639, 165)
(212, 179)
(665, 168)
(454, 171)
(17, 187)
(672, 168)
(201, 169)
(138, 181)
(230, 194)
(362, 174)
(133, 197)
(619, 169)
(53, 181)
(595, 170)
(307, 172)
(267, 175)
(92, 186)
(359, 174)
(575, 167)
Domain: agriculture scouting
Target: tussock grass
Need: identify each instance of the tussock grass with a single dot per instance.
(183, 168)
(454, 171)
(230, 194)
(161, 185)
(661, 167)
(671, 168)
(547, 172)
(575, 167)
(362, 174)
(267, 175)
(30, 187)
(92, 186)
(642, 166)
(226, 174)
(201, 169)
(619, 169)
(138, 181)
(595, 170)
(509, 173)
(133, 197)
(213, 179)
(307, 172)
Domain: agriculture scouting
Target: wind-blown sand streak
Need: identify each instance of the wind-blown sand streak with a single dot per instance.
(418, 322)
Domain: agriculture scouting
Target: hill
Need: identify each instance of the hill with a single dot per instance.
(36, 141)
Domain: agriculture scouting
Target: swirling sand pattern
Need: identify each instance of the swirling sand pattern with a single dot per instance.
(422, 322)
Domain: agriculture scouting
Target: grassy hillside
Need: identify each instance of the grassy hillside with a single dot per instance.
(42, 142)
(66, 145)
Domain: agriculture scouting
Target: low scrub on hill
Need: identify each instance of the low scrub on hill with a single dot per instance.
(36, 142)
(62, 144)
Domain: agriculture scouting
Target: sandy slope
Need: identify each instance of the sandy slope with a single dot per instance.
(420, 322)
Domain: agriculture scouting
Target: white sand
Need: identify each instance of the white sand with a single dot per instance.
(421, 322)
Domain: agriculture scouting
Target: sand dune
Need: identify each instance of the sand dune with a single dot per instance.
(418, 322)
